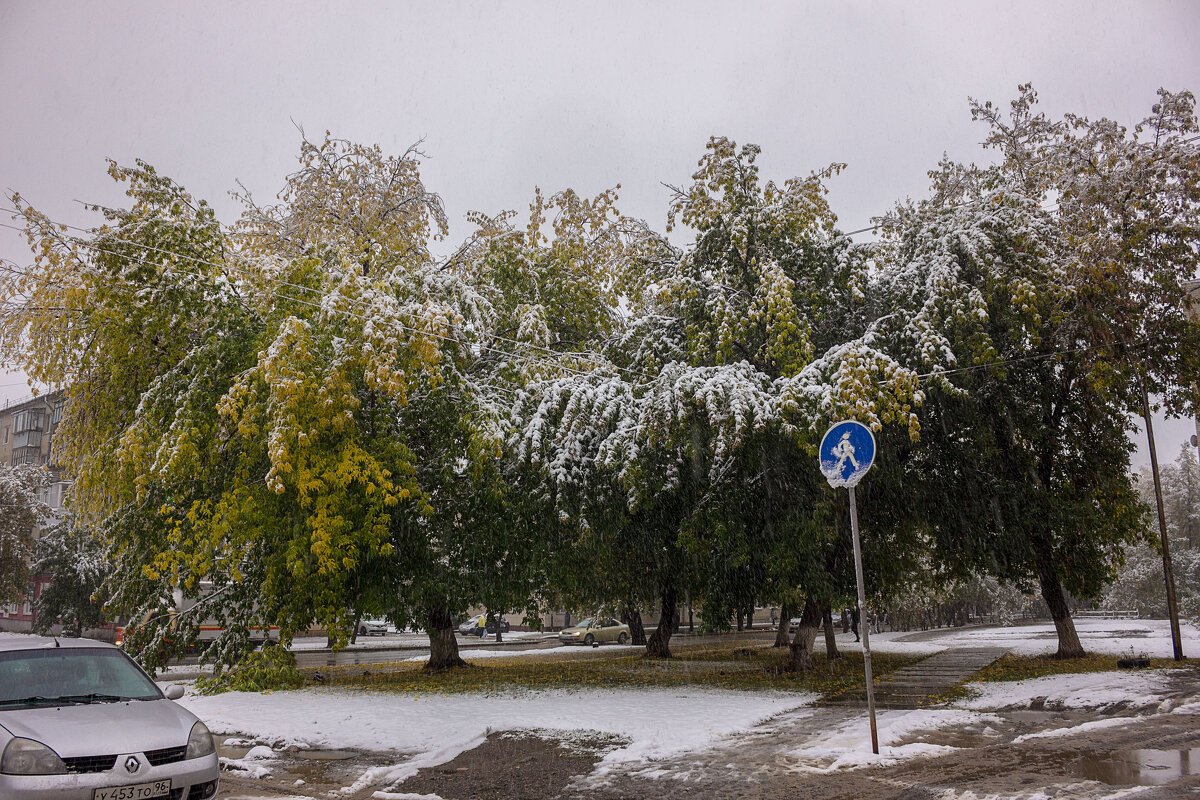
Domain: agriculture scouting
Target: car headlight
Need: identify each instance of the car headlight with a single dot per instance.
(27, 757)
(200, 742)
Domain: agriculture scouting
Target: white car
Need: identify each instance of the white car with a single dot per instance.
(372, 626)
(79, 720)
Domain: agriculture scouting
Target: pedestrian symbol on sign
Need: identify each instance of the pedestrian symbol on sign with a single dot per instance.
(847, 452)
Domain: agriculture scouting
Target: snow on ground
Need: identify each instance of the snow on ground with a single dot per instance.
(250, 765)
(1109, 636)
(1082, 691)
(901, 642)
(1072, 730)
(432, 729)
(847, 745)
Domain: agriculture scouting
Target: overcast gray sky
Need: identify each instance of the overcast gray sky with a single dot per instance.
(508, 96)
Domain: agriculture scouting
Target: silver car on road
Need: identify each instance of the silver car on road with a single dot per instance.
(79, 720)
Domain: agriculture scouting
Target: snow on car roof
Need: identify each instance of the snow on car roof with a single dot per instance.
(30, 642)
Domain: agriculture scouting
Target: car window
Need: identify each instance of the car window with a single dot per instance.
(69, 671)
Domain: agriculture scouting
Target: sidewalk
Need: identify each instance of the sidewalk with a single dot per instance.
(922, 684)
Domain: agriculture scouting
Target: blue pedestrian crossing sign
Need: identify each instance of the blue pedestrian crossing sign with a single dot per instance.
(847, 452)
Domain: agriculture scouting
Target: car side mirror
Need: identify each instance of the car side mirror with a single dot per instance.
(174, 692)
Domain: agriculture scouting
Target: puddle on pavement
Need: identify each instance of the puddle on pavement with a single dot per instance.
(325, 755)
(238, 750)
(1138, 767)
(229, 751)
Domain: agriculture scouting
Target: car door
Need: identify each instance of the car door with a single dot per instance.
(609, 631)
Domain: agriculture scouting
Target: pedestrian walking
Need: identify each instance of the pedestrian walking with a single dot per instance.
(854, 623)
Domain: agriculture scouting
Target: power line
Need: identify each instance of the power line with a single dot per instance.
(1015, 360)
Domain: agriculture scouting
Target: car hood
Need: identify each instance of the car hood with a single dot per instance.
(102, 728)
(573, 630)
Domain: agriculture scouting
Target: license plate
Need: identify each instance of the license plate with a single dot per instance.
(138, 791)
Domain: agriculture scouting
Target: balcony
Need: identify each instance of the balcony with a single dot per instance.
(28, 455)
(30, 438)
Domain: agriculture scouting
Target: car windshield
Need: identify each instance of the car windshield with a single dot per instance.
(585, 623)
(63, 675)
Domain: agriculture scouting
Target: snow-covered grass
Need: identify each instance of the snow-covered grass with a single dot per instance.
(427, 730)
(1078, 691)
(1109, 636)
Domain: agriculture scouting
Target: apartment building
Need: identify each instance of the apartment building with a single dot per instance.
(27, 430)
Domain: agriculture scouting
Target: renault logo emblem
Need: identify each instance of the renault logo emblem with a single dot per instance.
(132, 765)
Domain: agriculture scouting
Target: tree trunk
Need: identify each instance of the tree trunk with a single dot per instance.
(750, 618)
(443, 647)
(493, 618)
(806, 635)
(1056, 600)
(739, 621)
(658, 645)
(830, 642)
(783, 635)
(633, 618)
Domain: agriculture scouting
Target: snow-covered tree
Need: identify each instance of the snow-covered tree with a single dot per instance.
(21, 509)
(75, 560)
(1028, 449)
(1181, 495)
(300, 419)
(733, 357)
(1139, 584)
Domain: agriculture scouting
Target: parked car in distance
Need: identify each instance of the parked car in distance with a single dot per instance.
(372, 626)
(79, 720)
(476, 626)
(595, 631)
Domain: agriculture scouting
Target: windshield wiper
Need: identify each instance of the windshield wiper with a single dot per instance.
(37, 699)
(90, 698)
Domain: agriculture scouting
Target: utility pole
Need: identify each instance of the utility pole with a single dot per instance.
(1168, 572)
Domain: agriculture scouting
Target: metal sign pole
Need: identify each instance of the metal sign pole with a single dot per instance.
(863, 623)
